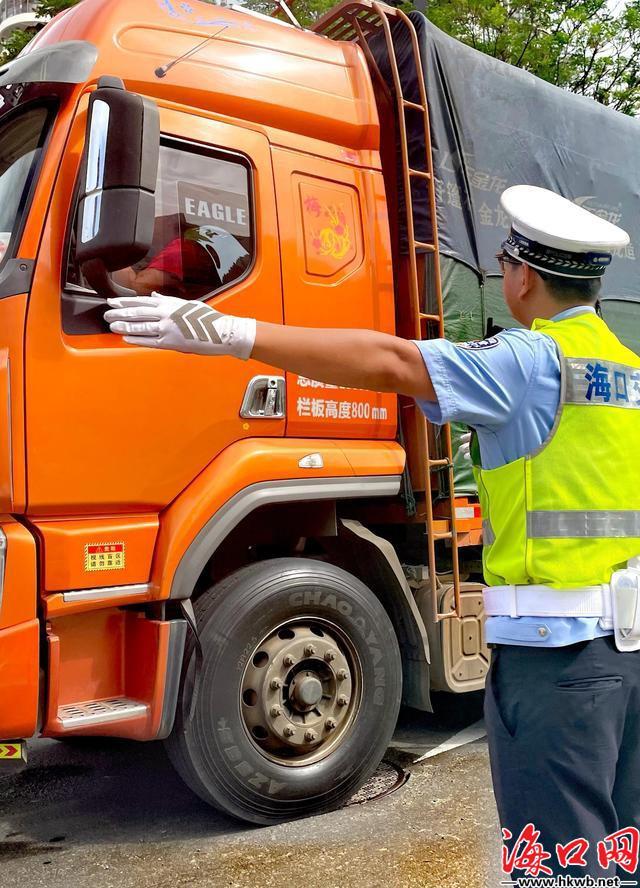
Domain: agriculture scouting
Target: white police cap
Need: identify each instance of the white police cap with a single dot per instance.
(552, 234)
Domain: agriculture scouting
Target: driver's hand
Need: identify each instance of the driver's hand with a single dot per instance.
(182, 325)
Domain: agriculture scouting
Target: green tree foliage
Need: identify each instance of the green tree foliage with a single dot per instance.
(49, 8)
(306, 11)
(591, 47)
(15, 42)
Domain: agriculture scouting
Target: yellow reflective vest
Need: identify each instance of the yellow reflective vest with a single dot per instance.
(568, 514)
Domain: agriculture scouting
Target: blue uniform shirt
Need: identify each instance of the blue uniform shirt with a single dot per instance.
(507, 388)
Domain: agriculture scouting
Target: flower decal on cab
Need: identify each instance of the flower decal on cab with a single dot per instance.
(334, 238)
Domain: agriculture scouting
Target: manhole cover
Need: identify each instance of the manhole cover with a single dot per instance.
(386, 779)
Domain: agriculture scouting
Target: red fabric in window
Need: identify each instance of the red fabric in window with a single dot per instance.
(186, 260)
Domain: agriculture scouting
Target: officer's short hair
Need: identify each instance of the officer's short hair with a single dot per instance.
(566, 289)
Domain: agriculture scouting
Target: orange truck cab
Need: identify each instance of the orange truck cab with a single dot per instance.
(217, 553)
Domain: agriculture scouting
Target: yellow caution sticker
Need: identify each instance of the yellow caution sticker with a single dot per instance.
(104, 556)
(10, 751)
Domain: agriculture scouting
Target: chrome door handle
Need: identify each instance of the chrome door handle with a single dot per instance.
(264, 398)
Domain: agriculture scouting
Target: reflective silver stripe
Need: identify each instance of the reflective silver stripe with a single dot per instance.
(488, 536)
(106, 592)
(578, 524)
(597, 382)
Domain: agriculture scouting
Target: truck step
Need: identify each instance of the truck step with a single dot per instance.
(95, 712)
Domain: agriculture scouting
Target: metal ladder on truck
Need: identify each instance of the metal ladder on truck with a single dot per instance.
(358, 22)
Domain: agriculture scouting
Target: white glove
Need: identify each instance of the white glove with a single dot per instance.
(464, 448)
(181, 325)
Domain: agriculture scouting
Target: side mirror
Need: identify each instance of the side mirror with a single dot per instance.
(116, 200)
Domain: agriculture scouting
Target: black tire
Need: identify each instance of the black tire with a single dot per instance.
(222, 753)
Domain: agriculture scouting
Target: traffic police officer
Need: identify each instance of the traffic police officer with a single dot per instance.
(556, 412)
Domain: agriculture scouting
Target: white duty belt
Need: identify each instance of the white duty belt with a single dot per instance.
(617, 604)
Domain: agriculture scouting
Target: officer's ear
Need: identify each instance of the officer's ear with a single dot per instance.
(530, 280)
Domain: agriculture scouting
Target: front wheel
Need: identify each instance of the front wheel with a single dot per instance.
(299, 691)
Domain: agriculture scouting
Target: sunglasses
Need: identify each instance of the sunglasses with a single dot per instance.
(505, 259)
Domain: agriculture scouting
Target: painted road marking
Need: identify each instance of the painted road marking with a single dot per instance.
(468, 735)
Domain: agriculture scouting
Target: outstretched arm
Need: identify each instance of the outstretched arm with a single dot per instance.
(362, 359)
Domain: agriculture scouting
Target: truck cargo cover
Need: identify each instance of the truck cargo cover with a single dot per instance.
(494, 125)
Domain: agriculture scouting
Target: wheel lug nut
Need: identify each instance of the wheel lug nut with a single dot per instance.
(275, 684)
(342, 700)
(289, 660)
(309, 650)
(329, 656)
(330, 724)
(309, 736)
(275, 711)
(289, 731)
(341, 674)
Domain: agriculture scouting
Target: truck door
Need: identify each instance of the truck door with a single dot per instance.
(113, 427)
(336, 269)
(25, 138)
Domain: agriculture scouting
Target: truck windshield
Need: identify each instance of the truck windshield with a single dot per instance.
(21, 140)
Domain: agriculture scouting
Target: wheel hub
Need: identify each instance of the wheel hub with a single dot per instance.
(300, 691)
(306, 692)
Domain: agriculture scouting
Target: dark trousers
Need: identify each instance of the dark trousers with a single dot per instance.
(563, 727)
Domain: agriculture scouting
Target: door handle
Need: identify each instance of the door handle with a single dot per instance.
(264, 398)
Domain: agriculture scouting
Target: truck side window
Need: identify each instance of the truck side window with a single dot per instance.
(203, 238)
(21, 140)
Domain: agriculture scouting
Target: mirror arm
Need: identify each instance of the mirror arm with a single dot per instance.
(96, 274)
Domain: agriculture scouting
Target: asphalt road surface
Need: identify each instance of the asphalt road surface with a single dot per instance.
(99, 813)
